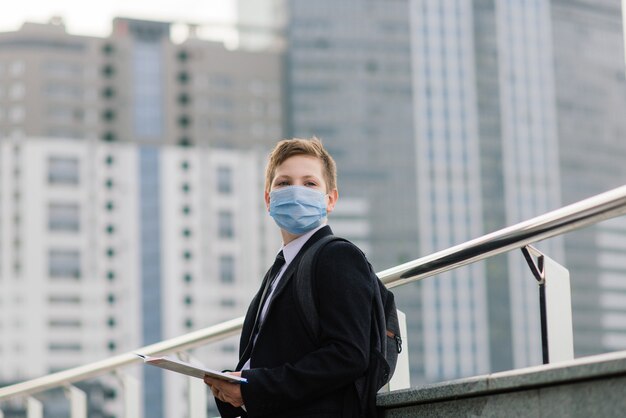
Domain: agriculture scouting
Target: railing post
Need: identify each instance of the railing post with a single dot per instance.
(34, 408)
(555, 303)
(78, 402)
(197, 398)
(196, 392)
(402, 376)
(132, 394)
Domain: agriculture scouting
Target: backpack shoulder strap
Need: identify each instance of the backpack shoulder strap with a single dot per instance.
(305, 287)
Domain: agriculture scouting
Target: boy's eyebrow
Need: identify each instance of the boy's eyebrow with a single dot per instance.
(286, 176)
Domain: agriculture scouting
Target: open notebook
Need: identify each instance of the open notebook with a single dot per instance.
(182, 367)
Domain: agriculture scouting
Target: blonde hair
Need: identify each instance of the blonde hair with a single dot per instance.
(290, 147)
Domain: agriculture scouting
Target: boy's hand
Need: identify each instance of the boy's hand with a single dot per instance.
(226, 391)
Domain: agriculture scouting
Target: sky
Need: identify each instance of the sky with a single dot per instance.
(94, 18)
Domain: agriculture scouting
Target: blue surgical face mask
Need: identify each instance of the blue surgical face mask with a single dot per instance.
(297, 209)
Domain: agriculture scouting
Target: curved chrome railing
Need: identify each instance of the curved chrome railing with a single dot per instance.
(568, 218)
(77, 374)
(575, 216)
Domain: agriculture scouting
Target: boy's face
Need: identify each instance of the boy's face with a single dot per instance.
(302, 170)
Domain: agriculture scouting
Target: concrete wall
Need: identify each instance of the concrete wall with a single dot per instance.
(587, 387)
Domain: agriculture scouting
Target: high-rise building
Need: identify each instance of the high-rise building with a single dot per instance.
(51, 83)
(69, 254)
(448, 160)
(71, 272)
(591, 94)
(504, 122)
(517, 109)
(138, 87)
(348, 78)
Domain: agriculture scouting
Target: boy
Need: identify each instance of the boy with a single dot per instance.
(289, 374)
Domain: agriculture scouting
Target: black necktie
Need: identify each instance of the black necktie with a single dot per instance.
(279, 262)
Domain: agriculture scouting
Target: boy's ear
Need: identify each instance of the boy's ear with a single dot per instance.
(333, 196)
(267, 200)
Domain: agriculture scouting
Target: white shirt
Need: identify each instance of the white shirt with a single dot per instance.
(290, 251)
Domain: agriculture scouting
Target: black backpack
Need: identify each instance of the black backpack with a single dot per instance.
(385, 344)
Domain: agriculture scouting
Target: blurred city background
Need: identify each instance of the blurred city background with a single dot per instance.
(133, 141)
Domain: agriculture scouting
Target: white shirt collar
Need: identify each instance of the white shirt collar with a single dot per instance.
(291, 250)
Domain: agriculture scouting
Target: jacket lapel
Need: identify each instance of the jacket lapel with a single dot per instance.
(250, 320)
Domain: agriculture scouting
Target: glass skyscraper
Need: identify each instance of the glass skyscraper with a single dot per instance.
(456, 118)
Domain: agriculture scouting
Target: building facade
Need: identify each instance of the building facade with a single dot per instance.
(73, 254)
(591, 92)
(510, 118)
(138, 89)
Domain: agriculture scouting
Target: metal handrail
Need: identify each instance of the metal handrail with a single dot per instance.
(575, 216)
(566, 219)
(87, 371)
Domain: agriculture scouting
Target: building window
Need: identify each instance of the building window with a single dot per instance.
(188, 300)
(109, 206)
(186, 232)
(64, 264)
(183, 56)
(189, 323)
(64, 299)
(227, 303)
(109, 160)
(111, 275)
(17, 91)
(16, 68)
(63, 91)
(224, 180)
(64, 323)
(65, 347)
(227, 269)
(108, 115)
(63, 170)
(108, 92)
(187, 278)
(183, 77)
(110, 252)
(184, 166)
(225, 224)
(186, 210)
(185, 142)
(63, 217)
(108, 49)
(186, 188)
(112, 346)
(110, 229)
(109, 137)
(187, 255)
(111, 298)
(183, 99)
(111, 322)
(228, 348)
(108, 70)
(184, 121)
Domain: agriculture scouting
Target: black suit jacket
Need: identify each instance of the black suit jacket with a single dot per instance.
(293, 376)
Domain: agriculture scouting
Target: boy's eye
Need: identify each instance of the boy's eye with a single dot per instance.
(282, 183)
(310, 184)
